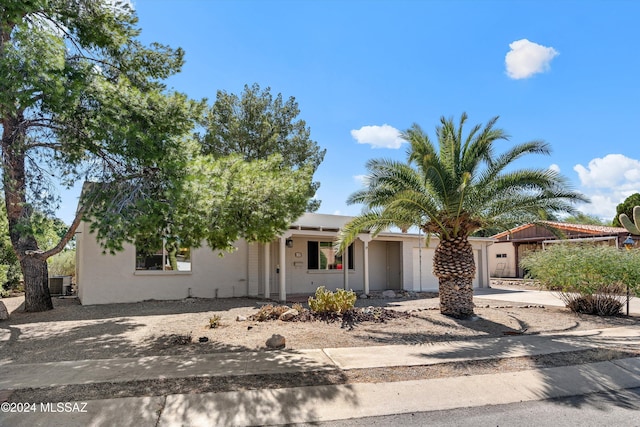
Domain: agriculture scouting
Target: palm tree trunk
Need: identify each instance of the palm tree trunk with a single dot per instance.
(455, 268)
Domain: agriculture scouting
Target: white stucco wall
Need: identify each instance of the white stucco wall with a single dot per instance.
(502, 267)
(105, 278)
(393, 264)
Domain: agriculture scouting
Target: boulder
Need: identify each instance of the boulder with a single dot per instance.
(240, 318)
(4, 313)
(363, 296)
(289, 314)
(276, 341)
(388, 294)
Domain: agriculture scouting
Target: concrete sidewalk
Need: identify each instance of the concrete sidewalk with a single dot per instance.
(14, 376)
(321, 403)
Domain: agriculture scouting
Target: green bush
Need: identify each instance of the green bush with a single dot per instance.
(63, 264)
(590, 279)
(337, 302)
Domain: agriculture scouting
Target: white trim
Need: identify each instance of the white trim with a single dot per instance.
(162, 273)
(282, 248)
(267, 271)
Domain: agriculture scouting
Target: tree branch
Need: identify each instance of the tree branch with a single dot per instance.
(67, 236)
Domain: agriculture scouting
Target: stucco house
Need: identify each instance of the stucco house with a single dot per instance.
(297, 262)
(512, 245)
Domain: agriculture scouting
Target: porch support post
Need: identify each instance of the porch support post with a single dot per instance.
(283, 266)
(345, 268)
(267, 270)
(366, 238)
(282, 270)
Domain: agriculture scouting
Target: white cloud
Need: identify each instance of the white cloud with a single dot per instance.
(384, 136)
(607, 182)
(601, 206)
(611, 171)
(555, 168)
(527, 58)
(360, 179)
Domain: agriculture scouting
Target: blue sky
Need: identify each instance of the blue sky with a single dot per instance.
(561, 71)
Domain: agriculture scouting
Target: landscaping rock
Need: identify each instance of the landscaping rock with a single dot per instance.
(363, 296)
(276, 342)
(241, 318)
(4, 314)
(289, 314)
(388, 294)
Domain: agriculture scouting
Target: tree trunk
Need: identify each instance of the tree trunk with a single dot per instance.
(36, 284)
(19, 216)
(455, 268)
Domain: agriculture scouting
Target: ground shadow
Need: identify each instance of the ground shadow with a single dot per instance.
(270, 400)
(72, 309)
(51, 342)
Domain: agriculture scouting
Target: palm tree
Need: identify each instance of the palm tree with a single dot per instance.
(453, 190)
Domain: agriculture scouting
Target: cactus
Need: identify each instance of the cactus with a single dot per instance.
(632, 227)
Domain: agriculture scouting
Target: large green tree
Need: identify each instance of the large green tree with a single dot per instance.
(256, 125)
(81, 99)
(626, 208)
(453, 187)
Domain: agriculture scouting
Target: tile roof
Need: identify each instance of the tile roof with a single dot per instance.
(584, 228)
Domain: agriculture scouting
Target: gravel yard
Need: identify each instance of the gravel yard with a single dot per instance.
(75, 332)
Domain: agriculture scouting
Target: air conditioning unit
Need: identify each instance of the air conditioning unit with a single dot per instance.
(60, 285)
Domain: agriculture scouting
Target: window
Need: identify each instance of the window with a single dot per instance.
(321, 256)
(501, 255)
(162, 255)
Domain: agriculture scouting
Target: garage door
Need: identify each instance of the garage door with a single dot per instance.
(424, 257)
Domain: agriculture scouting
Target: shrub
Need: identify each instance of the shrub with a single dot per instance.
(63, 264)
(214, 321)
(337, 302)
(602, 305)
(589, 279)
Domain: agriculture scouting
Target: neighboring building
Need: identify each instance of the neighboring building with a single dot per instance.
(296, 263)
(513, 245)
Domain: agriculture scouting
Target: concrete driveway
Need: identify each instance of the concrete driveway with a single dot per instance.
(537, 297)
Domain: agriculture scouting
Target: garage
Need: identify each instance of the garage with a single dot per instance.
(423, 278)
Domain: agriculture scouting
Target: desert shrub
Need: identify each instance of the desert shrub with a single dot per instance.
(177, 339)
(589, 279)
(337, 302)
(602, 305)
(214, 321)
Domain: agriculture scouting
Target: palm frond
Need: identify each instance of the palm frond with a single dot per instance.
(459, 186)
